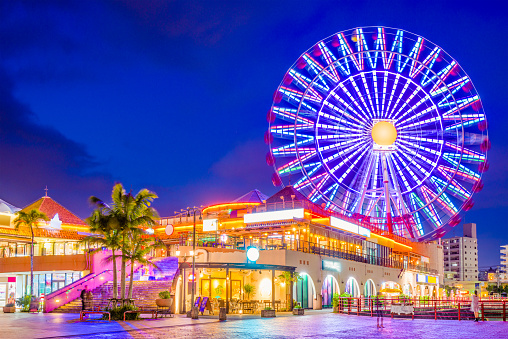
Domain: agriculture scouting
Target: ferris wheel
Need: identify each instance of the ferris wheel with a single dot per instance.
(383, 126)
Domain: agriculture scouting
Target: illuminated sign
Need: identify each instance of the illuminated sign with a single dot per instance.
(253, 254)
(210, 225)
(349, 227)
(429, 279)
(273, 216)
(329, 265)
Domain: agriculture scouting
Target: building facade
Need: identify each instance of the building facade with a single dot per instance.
(331, 253)
(504, 263)
(461, 256)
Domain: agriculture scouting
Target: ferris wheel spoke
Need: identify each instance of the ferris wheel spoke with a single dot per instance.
(334, 108)
(451, 88)
(442, 200)
(428, 208)
(340, 122)
(347, 52)
(416, 69)
(359, 94)
(353, 101)
(409, 107)
(290, 114)
(461, 171)
(399, 97)
(413, 55)
(452, 185)
(357, 149)
(330, 59)
(367, 90)
(467, 154)
(318, 70)
(306, 83)
(363, 49)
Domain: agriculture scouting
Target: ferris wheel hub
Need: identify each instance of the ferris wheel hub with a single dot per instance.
(384, 133)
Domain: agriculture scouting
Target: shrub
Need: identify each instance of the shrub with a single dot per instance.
(268, 308)
(24, 302)
(9, 305)
(298, 306)
(117, 313)
(164, 295)
(335, 299)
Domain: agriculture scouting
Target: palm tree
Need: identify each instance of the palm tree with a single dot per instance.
(106, 234)
(137, 253)
(29, 219)
(131, 212)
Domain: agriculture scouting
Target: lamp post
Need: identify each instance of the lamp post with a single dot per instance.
(194, 309)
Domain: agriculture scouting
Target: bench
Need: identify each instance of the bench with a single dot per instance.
(152, 312)
(83, 313)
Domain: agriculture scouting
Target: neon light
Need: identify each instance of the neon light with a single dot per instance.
(273, 216)
(232, 205)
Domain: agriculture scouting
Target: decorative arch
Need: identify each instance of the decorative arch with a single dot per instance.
(301, 291)
(330, 286)
(370, 288)
(408, 289)
(352, 287)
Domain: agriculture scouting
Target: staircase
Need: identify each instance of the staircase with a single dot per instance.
(144, 292)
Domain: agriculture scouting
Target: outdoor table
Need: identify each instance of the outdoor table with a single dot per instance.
(248, 306)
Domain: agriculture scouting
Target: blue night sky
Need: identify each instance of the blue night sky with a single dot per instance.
(172, 95)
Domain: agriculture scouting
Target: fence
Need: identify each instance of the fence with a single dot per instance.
(417, 307)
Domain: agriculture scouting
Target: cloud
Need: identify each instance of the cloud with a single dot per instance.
(33, 155)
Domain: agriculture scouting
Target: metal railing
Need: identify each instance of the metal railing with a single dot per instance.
(424, 307)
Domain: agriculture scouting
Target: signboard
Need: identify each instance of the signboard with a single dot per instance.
(273, 216)
(197, 302)
(330, 265)
(169, 229)
(210, 225)
(349, 227)
(205, 304)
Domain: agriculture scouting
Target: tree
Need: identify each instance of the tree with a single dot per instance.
(137, 252)
(131, 212)
(106, 234)
(289, 277)
(30, 219)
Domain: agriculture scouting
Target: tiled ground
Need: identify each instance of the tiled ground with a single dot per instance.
(315, 324)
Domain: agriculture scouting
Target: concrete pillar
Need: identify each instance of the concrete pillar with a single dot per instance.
(228, 284)
(273, 289)
(290, 306)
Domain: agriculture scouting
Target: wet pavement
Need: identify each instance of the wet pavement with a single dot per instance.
(315, 324)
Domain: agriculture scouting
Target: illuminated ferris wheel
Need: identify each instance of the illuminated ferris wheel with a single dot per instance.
(383, 126)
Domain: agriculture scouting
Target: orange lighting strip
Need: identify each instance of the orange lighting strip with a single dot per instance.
(391, 240)
(231, 205)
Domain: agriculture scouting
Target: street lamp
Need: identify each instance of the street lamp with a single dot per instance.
(194, 309)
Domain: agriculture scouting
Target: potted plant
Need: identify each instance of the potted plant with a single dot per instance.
(164, 300)
(335, 302)
(9, 308)
(24, 303)
(298, 310)
(249, 289)
(268, 312)
(219, 290)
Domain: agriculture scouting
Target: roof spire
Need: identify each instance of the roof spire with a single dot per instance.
(46, 189)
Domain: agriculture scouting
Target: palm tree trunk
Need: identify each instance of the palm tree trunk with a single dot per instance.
(122, 280)
(131, 281)
(32, 262)
(115, 277)
(122, 272)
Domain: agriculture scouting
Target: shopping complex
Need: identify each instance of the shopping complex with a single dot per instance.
(378, 141)
(331, 253)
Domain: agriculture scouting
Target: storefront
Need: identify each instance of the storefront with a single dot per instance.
(240, 287)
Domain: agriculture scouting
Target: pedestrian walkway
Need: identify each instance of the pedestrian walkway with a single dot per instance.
(315, 324)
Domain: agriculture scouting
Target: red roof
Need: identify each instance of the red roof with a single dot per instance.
(50, 207)
(38, 232)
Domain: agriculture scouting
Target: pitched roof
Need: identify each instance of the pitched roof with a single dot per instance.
(50, 207)
(43, 233)
(7, 208)
(287, 192)
(252, 196)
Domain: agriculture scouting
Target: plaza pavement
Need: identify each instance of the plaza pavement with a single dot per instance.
(315, 324)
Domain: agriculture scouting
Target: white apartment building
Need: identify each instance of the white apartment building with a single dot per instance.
(504, 263)
(461, 256)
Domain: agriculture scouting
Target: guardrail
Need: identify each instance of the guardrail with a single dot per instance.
(418, 307)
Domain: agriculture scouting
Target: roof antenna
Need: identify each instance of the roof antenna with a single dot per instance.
(46, 189)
